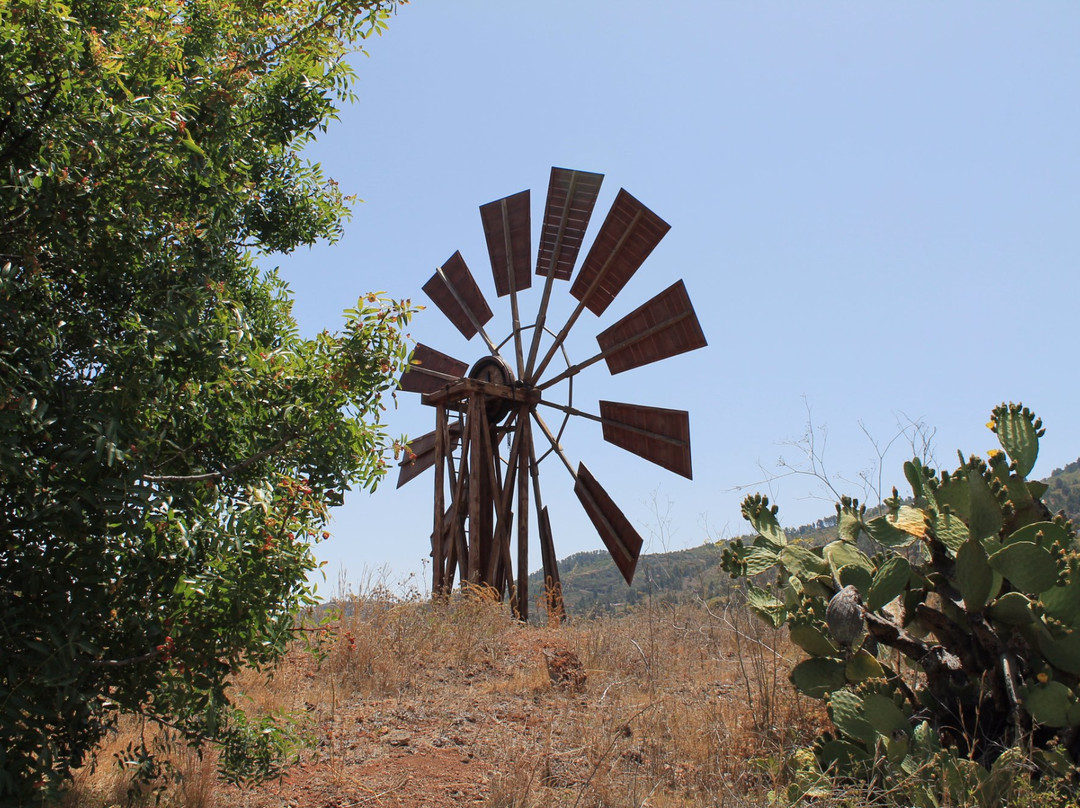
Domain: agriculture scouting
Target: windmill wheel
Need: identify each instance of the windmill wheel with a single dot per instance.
(488, 417)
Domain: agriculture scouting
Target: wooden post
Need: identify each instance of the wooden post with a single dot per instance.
(459, 507)
(474, 428)
(500, 566)
(438, 538)
(524, 439)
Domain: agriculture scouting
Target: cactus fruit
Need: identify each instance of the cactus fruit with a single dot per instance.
(975, 584)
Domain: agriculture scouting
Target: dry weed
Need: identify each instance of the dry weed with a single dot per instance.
(420, 703)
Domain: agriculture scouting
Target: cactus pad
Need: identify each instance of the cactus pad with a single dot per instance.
(1012, 608)
(1048, 703)
(1018, 431)
(884, 716)
(1029, 567)
(846, 712)
(759, 559)
(817, 677)
(889, 582)
(812, 640)
(974, 575)
(803, 562)
(762, 518)
(862, 666)
(1061, 652)
(1044, 534)
(887, 534)
(985, 511)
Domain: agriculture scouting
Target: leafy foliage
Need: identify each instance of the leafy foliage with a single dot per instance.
(970, 610)
(169, 444)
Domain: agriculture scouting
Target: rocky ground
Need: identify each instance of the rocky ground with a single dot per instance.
(414, 706)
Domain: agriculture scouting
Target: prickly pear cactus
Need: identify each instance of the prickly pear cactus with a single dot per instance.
(976, 585)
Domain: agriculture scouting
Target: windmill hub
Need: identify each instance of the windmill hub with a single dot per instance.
(494, 370)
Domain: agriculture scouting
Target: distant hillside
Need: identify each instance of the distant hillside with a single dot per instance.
(1064, 491)
(592, 583)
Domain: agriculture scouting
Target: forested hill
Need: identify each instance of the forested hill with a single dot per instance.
(591, 582)
(1064, 491)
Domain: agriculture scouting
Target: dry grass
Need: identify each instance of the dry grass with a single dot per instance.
(453, 703)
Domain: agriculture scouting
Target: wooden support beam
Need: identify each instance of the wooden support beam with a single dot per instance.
(459, 506)
(438, 537)
(462, 389)
(476, 465)
(485, 528)
(500, 569)
(525, 436)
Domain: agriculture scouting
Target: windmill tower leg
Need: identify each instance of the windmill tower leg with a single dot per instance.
(475, 477)
(522, 599)
(438, 538)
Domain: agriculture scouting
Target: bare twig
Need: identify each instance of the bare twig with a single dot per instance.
(610, 746)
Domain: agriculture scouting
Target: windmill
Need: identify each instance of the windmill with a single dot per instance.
(489, 418)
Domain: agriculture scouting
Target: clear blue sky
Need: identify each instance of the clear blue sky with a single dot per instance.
(874, 206)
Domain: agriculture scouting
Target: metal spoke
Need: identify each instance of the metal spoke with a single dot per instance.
(619, 346)
(593, 286)
(512, 281)
(554, 443)
(648, 433)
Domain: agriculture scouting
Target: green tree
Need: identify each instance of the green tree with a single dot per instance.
(169, 444)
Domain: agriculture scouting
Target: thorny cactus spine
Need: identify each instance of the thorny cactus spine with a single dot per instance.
(974, 582)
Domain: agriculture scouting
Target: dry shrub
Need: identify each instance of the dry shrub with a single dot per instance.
(682, 703)
(188, 780)
(384, 642)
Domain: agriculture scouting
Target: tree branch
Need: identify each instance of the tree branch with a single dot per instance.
(124, 663)
(887, 632)
(217, 475)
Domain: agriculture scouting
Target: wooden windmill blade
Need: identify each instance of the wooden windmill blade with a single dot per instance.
(419, 453)
(507, 229)
(630, 232)
(570, 202)
(486, 462)
(665, 326)
(618, 535)
(431, 370)
(661, 436)
(453, 289)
